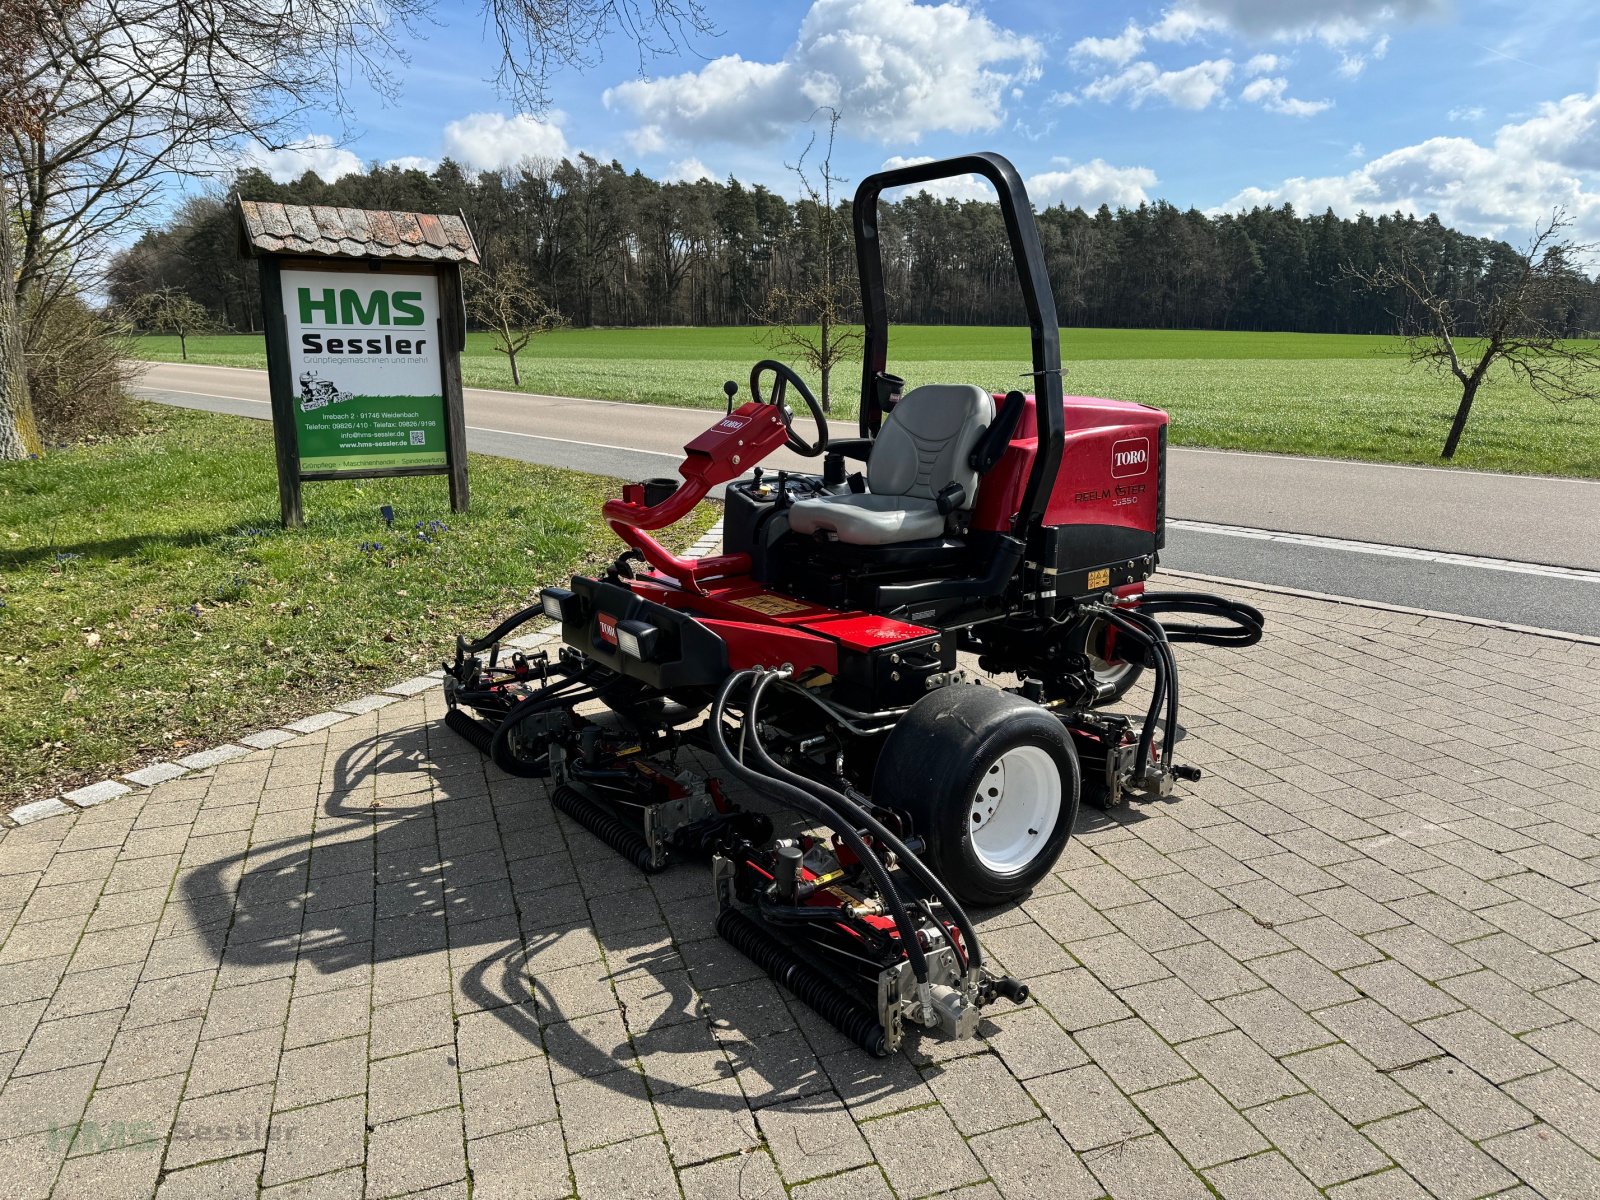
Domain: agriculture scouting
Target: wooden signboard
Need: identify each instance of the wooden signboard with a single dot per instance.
(365, 328)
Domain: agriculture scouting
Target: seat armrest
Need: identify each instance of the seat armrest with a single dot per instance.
(859, 449)
(997, 437)
(952, 499)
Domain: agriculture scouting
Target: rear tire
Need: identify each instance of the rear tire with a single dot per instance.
(1116, 673)
(990, 781)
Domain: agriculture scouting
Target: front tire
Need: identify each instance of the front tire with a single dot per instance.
(990, 781)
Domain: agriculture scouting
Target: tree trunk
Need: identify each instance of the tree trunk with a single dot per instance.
(516, 378)
(19, 433)
(183, 345)
(1469, 392)
(826, 362)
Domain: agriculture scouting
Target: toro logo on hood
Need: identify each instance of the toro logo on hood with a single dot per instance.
(733, 424)
(1131, 456)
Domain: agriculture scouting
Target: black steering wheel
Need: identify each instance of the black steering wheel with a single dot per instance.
(782, 376)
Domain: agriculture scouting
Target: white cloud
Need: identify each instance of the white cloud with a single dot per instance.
(1269, 92)
(1470, 113)
(1336, 22)
(688, 170)
(1191, 87)
(412, 162)
(1115, 50)
(314, 152)
(1502, 189)
(1263, 64)
(1086, 185)
(895, 69)
(1091, 184)
(489, 141)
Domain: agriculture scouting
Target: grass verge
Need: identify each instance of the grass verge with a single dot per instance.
(1343, 396)
(151, 606)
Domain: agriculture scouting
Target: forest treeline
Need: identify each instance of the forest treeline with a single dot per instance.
(610, 247)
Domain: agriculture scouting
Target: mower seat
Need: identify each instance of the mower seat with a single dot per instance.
(922, 449)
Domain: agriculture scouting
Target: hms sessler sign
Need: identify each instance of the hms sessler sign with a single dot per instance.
(364, 356)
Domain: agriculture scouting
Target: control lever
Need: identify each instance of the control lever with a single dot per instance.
(784, 499)
(730, 389)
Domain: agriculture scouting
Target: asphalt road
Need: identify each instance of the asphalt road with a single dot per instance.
(1519, 519)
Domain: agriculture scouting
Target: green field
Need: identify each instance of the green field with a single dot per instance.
(1343, 396)
(151, 605)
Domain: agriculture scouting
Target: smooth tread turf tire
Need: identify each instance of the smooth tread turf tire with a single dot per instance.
(991, 784)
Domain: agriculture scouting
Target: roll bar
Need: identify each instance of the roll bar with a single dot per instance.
(1028, 255)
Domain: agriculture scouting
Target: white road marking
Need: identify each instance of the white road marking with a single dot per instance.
(1379, 548)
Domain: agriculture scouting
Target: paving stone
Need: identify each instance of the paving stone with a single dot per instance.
(1438, 1157)
(267, 738)
(708, 1122)
(1487, 1049)
(414, 1154)
(316, 1140)
(204, 760)
(1203, 1126)
(1212, 973)
(222, 1180)
(1086, 1108)
(1402, 991)
(1501, 1001)
(1267, 1176)
(638, 1169)
(1145, 1166)
(1276, 1025)
(1132, 1054)
(1356, 1090)
(326, 1071)
(920, 1152)
(410, 1084)
(225, 1063)
(521, 1164)
(1116, 960)
(980, 1094)
(1573, 1045)
(1377, 1034)
(365, 704)
(1464, 1098)
(1174, 1010)
(608, 1108)
(220, 1126)
(1320, 1144)
(96, 793)
(749, 1176)
(1031, 1043)
(812, 1136)
(1077, 1000)
(1304, 981)
(1546, 1159)
(1238, 1068)
(1022, 1158)
(414, 685)
(39, 810)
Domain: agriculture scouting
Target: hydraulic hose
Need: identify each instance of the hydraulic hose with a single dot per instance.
(1166, 676)
(805, 802)
(1248, 622)
(505, 627)
(865, 820)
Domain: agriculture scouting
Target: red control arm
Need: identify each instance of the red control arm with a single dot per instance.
(725, 451)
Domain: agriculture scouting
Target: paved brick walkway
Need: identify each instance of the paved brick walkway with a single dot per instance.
(1360, 957)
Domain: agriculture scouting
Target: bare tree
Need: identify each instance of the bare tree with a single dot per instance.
(503, 298)
(171, 310)
(104, 101)
(1518, 321)
(812, 318)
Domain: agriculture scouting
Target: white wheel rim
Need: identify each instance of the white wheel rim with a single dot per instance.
(1017, 805)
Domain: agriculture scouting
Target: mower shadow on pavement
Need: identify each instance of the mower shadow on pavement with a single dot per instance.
(426, 871)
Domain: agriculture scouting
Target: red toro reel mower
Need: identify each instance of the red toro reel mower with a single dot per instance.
(819, 658)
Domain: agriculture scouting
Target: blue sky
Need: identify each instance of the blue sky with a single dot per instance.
(1487, 111)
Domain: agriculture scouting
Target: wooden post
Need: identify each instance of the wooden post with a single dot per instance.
(453, 340)
(282, 390)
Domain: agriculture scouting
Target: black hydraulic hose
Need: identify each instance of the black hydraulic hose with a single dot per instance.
(505, 627)
(1248, 623)
(1161, 645)
(864, 819)
(805, 802)
(1142, 637)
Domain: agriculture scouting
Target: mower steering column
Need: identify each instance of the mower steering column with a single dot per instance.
(727, 450)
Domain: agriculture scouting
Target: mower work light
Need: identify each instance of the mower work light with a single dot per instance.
(557, 602)
(637, 639)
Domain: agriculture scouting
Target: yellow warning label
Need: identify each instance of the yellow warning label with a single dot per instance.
(772, 606)
(1100, 578)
